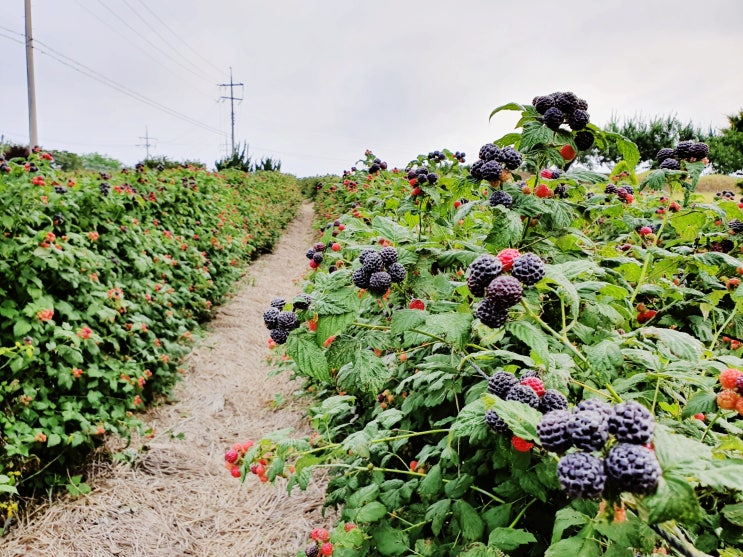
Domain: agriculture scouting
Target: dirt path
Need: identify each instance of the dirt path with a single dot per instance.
(179, 500)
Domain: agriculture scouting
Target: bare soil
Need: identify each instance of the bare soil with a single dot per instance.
(177, 498)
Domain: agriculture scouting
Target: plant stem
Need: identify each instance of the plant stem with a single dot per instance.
(554, 333)
(522, 512)
(736, 311)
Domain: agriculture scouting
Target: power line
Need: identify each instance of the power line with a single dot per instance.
(146, 143)
(186, 43)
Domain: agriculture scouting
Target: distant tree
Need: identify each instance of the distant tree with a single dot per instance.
(100, 163)
(239, 159)
(164, 162)
(649, 135)
(726, 147)
(67, 161)
(268, 164)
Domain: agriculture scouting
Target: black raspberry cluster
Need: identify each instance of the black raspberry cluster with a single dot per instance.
(419, 176)
(566, 108)
(280, 322)
(629, 465)
(527, 390)
(670, 159)
(316, 254)
(379, 269)
(487, 278)
(494, 163)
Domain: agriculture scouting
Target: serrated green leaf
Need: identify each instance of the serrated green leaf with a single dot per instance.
(470, 523)
(390, 541)
(371, 512)
(508, 539)
(436, 514)
(453, 326)
(681, 344)
(309, 358)
(688, 224)
(406, 319)
(392, 231)
(432, 484)
(604, 357)
(674, 500)
(367, 373)
(564, 519)
(734, 513)
(655, 180)
(458, 486)
(509, 106)
(470, 420)
(332, 325)
(574, 547)
(700, 402)
(531, 337)
(21, 327)
(506, 229)
(520, 417)
(362, 496)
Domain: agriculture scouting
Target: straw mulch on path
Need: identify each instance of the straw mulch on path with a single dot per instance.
(178, 499)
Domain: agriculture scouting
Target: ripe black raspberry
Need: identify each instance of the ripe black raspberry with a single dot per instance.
(287, 320)
(490, 315)
(278, 303)
(664, 154)
(632, 468)
(582, 104)
(360, 278)
(365, 253)
(683, 149)
(594, 405)
(501, 382)
(522, 393)
(270, 317)
(279, 336)
(699, 151)
(504, 291)
(495, 422)
(735, 225)
(379, 282)
(553, 118)
(670, 164)
(528, 268)
(491, 171)
(581, 475)
(628, 188)
(561, 191)
(583, 140)
(432, 177)
(631, 422)
(481, 272)
(542, 104)
(553, 431)
(318, 257)
(489, 152)
(567, 102)
(552, 400)
(475, 170)
(500, 197)
(389, 255)
(578, 120)
(373, 262)
(302, 301)
(397, 272)
(589, 430)
(374, 168)
(510, 158)
(60, 190)
(312, 551)
(310, 253)
(611, 188)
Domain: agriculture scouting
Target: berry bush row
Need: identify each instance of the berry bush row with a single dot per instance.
(545, 378)
(104, 280)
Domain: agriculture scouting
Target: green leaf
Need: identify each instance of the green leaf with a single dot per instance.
(332, 325)
(392, 231)
(681, 344)
(565, 518)
(734, 513)
(604, 357)
(700, 402)
(688, 225)
(674, 500)
(366, 374)
(362, 496)
(531, 337)
(406, 319)
(431, 485)
(626, 148)
(470, 420)
(520, 417)
(534, 133)
(309, 357)
(453, 326)
(458, 486)
(371, 512)
(390, 541)
(574, 547)
(655, 180)
(722, 474)
(506, 230)
(436, 514)
(470, 523)
(21, 327)
(509, 106)
(508, 539)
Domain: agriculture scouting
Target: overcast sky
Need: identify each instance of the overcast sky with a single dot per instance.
(326, 79)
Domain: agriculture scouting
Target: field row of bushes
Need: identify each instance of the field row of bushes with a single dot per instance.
(104, 283)
(630, 293)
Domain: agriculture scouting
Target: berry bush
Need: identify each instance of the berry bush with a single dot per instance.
(104, 281)
(558, 372)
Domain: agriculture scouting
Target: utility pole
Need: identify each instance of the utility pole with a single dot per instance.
(146, 143)
(32, 130)
(232, 98)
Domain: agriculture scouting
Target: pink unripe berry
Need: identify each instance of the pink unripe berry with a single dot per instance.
(231, 455)
(235, 471)
(645, 230)
(326, 549)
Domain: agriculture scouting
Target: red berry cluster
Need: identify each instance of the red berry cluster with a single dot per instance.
(233, 458)
(731, 380)
(322, 545)
(644, 314)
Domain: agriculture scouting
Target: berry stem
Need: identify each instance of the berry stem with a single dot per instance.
(554, 333)
(522, 512)
(648, 259)
(736, 311)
